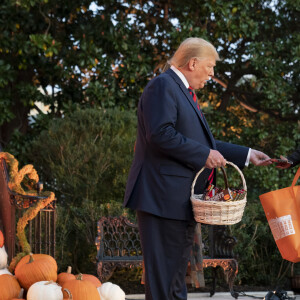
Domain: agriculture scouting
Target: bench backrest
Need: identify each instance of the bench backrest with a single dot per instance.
(118, 239)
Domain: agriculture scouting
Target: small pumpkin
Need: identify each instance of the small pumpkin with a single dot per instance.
(65, 276)
(3, 258)
(91, 278)
(1, 239)
(81, 289)
(9, 287)
(110, 291)
(45, 290)
(42, 269)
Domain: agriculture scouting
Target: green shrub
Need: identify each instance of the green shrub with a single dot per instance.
(85, 158)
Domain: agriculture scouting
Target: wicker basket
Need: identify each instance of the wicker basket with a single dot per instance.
(218, 212)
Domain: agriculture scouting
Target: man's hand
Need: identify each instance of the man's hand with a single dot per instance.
(259, 158)
(215, 160)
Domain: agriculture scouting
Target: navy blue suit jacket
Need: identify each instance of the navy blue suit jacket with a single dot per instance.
(173, 143)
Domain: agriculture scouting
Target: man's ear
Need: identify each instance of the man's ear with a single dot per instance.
(191, 64)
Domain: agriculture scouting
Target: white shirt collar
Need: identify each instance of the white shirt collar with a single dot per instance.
(181, 76)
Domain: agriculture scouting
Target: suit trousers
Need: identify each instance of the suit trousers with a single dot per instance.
(166, 246)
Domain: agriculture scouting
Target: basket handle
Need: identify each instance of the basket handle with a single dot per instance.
(225, 176)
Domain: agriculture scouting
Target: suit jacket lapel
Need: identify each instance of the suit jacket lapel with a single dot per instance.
(191, 101)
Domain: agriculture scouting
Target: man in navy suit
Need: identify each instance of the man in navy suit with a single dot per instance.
(173, 143)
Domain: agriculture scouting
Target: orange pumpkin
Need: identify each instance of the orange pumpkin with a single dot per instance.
(9, 287)
(33, 271)
(24, 260)
(81, 289)
(65, 276)
(1, 239)
(91, 278)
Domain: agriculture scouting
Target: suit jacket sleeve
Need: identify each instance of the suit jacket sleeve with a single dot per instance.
(234, 153)
(295, 157)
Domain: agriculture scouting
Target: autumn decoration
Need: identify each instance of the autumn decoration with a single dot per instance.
(91, 278)
(24, 182)
(45, 290)
(80, 289)
(111, 291)
(65, 276)
(36, 270)
(9, 287)
(36, 274)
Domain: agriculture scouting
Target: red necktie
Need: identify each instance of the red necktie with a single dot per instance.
(191, 90)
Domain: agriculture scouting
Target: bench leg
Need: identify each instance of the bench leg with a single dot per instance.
(230, 272)
(230, 267)
(214, 281)
(105, 270)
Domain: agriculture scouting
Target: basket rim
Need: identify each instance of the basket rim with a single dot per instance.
(218, 203)
(227, 162)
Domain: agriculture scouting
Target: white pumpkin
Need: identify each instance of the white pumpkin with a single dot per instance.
(45, 290)
(3, 258)
(4, 271)
(110, 291)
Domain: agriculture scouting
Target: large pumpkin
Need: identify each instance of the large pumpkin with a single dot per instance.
(1, 239)
(65, 276)
(3, 258)
(110, 291)
(45, 290)
(24, 260)
(9, 287)
(80, 289)
(41, 269)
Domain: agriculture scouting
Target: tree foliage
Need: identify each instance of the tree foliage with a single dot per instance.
(102, 53)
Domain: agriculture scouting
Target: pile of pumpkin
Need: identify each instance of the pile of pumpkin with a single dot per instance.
(36, 276)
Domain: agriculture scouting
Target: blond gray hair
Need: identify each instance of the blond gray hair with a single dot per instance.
(193, 48)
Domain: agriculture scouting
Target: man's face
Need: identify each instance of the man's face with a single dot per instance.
(203, 71)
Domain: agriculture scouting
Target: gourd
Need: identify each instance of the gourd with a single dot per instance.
(110, 291)
(9, 287)
(1, 239)
(3, 258)
(41, 269)
(91, 278)
(45, 290)
(65, 276)
(81, 289)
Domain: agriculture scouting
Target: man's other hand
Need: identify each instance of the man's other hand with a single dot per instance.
(215, 160)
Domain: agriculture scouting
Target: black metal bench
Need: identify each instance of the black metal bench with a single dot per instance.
(118, 245)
